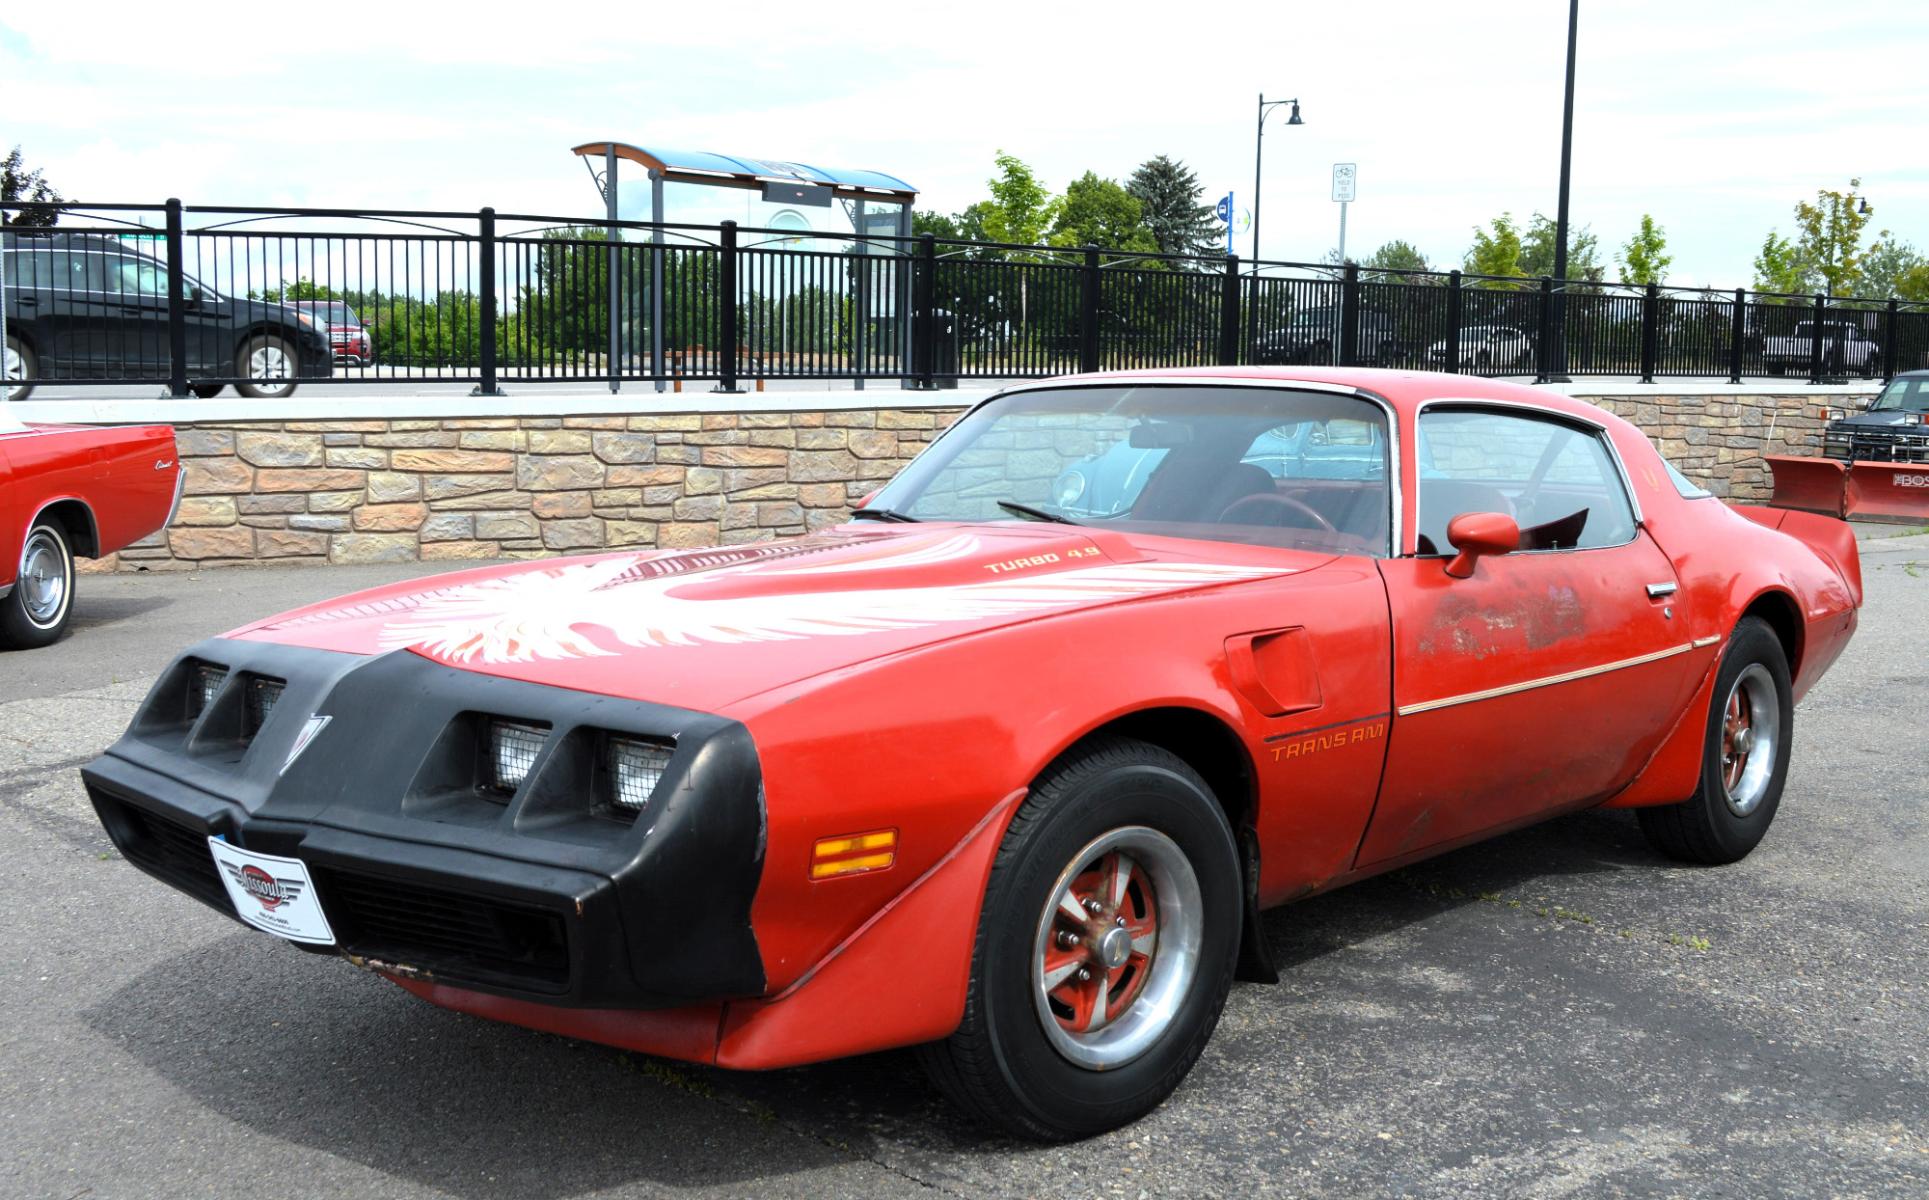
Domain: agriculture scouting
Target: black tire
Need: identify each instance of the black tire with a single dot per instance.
(29, 367)
(1710, 827)
(35, 613)
(207, 391)
(1001, 1065)
(269, 346)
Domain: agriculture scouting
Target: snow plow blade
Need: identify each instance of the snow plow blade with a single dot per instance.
(1862, 491)
(1895, 492)
(1817, 485)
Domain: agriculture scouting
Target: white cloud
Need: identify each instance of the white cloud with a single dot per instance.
(1715, 116)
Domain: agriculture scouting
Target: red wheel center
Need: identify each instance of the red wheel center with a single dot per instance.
(1104, 937)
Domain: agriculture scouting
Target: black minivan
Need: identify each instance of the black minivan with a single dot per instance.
(88, 307)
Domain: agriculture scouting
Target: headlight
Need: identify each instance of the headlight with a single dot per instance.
(1070, 486)
(513, 747)
(203, 683)
(635, 768)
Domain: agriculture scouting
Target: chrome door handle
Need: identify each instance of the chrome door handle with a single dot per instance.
(1657, 590)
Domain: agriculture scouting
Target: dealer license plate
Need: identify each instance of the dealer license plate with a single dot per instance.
(272, 893)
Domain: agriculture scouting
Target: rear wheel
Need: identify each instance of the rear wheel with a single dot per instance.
(1105, 948)
(207, 391)
(35, 613)
(267, 367)
(1744, 757)
(20, 367)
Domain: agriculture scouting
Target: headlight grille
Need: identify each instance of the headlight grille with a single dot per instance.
(204, 682)
(635, 768)
(513, 747)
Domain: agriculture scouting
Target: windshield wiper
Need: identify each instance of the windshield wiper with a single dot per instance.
(1036, 514)
(880, 514)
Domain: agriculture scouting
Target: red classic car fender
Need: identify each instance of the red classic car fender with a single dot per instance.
(112, 486)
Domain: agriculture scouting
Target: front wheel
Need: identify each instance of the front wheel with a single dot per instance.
(267, 366)
(20, 367)
(35, 613)
(1744, 757)
(1105, 948)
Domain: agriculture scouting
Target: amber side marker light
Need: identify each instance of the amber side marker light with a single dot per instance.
(853, 854)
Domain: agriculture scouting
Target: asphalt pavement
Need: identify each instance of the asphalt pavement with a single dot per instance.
(1554, 1013)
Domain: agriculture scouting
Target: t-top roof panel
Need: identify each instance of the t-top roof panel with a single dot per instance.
(703, 166)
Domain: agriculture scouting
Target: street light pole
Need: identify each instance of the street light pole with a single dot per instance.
(1558, 360)
(1259, 149)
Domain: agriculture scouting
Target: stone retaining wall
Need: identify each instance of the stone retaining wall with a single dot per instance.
(365, 491)
(391, 490)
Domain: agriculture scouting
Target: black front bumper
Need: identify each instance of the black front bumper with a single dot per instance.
(1850, 441)
(545, 894)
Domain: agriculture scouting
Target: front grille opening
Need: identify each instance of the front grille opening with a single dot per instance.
(452, 935)
(475, 768)
(510, 754)
(176, 853)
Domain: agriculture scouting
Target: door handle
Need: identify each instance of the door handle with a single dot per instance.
(27, 301)
(1658, 590)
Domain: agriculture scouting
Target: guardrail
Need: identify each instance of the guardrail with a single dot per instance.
(188, 298)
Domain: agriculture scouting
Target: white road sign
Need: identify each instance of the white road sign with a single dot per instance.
(1346, 177)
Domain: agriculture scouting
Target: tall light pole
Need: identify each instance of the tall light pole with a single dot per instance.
(1259, 149)
(1558, 361)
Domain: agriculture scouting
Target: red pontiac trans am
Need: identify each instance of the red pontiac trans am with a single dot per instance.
(972, 774)
(68, 490)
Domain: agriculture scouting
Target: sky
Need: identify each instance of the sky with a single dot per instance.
(1715, 116)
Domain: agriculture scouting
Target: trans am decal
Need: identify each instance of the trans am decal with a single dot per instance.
(577, 610)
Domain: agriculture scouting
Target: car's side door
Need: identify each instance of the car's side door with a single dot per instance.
(1544, 679)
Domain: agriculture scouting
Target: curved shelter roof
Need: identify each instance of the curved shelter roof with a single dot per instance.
(728, 170)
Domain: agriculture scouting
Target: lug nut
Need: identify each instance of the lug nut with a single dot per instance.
(1093, 906)
(1068, 940)
(1121, 922)
(1084, 974)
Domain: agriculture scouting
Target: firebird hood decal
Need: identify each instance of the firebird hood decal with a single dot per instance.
(725, 622)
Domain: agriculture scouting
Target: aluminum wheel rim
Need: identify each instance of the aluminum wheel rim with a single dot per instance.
(1117, 947)
(1751, 731)
(268, 363)
(43, 579)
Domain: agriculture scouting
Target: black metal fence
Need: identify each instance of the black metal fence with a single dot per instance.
(186, 297)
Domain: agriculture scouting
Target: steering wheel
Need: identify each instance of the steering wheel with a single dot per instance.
(1263, 500)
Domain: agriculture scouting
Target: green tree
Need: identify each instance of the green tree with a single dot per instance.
(1496, 251)
(1828, 234)
(1098, 212)
(1913, 283)
(1169, 192)
(1886, 263)
(1537, 250)
(1022, 209)
(1644, 257)
(1397, 255)
(1780, 266)
(19, 185)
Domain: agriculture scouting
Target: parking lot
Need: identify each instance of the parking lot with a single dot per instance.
(1555, 1013)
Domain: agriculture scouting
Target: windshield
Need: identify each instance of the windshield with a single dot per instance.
(1903, 395)
(1234, 464)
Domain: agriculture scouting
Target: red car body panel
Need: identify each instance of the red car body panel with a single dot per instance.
(125, 478)
(1362, 712)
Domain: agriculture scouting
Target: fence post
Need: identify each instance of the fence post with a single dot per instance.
(727, 316)
(1545, 341)
(924, 324)
(1453, 321)
(1229, 314)
(1815, 339)
(1738, 336)
(1650, 331)
(1889, 324)
(1088, 312)
(486, 348)
(177, 315)
(1350, 316)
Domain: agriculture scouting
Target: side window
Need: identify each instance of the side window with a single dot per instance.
(136, 277)
(94, 272)
(1557, 481)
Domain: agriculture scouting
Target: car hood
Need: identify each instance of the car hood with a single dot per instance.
(702, 628)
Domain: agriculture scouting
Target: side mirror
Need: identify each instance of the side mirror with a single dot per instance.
(1476, 535)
